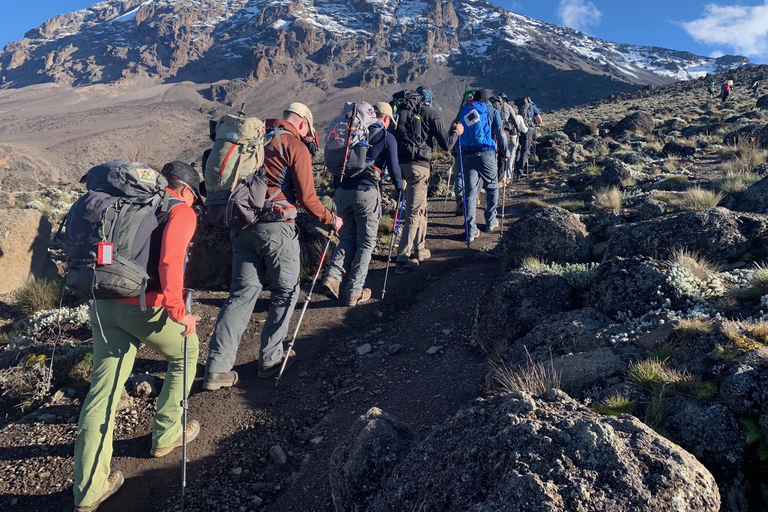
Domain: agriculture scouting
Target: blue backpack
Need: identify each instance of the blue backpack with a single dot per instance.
(477, 128)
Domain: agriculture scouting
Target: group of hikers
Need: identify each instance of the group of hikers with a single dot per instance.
(727, 88)
(127, 241)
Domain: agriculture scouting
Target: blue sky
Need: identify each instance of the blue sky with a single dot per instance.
(706, 28)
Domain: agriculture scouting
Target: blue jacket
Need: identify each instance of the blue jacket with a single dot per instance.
(382, 153)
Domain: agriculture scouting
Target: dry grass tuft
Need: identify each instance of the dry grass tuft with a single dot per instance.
(736, 180)
(698, 265)
(615, 405)
(572, 206)
(38, 295)
(608, 199)
(534, 378)
(697, 198)
(687, 329)
(672, 164)
(673, 182)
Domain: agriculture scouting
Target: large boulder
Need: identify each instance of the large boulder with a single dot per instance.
(716, 233)
(518, 453)
(376, 443)
(560, 334)
(24, 237)
(710, 432)
(577, 129)
(551, 234)
(674, 148)
(762, 138)
(637, 122)
(754, 199)
(581, 372)
(614, 174)
(637, 285)
(516, 304)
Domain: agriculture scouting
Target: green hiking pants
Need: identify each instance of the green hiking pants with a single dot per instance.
(118, 330)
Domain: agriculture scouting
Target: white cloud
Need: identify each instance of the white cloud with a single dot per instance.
(579, 14)
(742, 28)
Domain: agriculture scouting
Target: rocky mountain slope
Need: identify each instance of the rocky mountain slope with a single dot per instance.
(335, 44)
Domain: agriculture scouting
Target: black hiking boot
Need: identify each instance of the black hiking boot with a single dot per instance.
(403, 267)
(274, 369)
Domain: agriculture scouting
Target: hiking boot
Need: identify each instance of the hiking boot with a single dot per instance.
(459, 211)
(214, 381)
(193, 429)
(331, 287)
(115, 481)
(404, 266)
(359, 299)
(472, 238)
(274, 369)
(423, 255)
(492, 227)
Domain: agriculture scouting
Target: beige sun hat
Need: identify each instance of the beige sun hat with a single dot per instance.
(302, 110)
(385, 108)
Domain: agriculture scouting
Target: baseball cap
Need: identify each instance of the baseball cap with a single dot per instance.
(302, 110)
(385, 108)
(185, 173)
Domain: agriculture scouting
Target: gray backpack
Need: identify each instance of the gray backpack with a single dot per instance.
(346, 140)
(112, 240)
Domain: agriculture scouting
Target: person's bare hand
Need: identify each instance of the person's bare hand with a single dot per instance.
(190, 326)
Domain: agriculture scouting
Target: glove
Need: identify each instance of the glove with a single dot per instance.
(337, 223)
(190, 326)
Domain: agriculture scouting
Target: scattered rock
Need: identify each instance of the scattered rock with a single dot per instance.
(431, 351)
(754, 199)
(516, 304)
(615, 173)
(394, 349)
(24, 236)
(710, 432)
(377, 442)
(277, 455)
(716, 233)
(634, 285)
(551, 234)
(518, 453)
(577, 129)
(126, 402)
(364, 349)
(637, 122)
(674, 148)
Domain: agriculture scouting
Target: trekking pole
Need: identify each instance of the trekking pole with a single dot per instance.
(393, 240)
(447, 187)
(304, 310)
(503, 203)
(184, 407)
(463, 192)
(349, 142)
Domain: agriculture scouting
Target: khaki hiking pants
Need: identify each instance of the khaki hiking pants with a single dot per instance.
(118, 330)
(415, 226)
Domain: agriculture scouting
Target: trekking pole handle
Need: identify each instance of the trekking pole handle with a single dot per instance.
(188, 300)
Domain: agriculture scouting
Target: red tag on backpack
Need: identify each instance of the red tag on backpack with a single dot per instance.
(104, 254)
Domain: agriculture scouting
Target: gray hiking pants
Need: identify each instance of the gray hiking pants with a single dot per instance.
(265, 251)
(477, 167)
(360, 210)
(514, 144)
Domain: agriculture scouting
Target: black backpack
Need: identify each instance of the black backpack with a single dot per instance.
(524, 108)
(410, 131)
(113, 235)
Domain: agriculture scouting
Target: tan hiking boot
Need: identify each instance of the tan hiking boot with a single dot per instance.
(214, 381)
(115, 481)
(331, 287)
(193, 429)
(274, 369)
(424, 254)
(359, 299)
